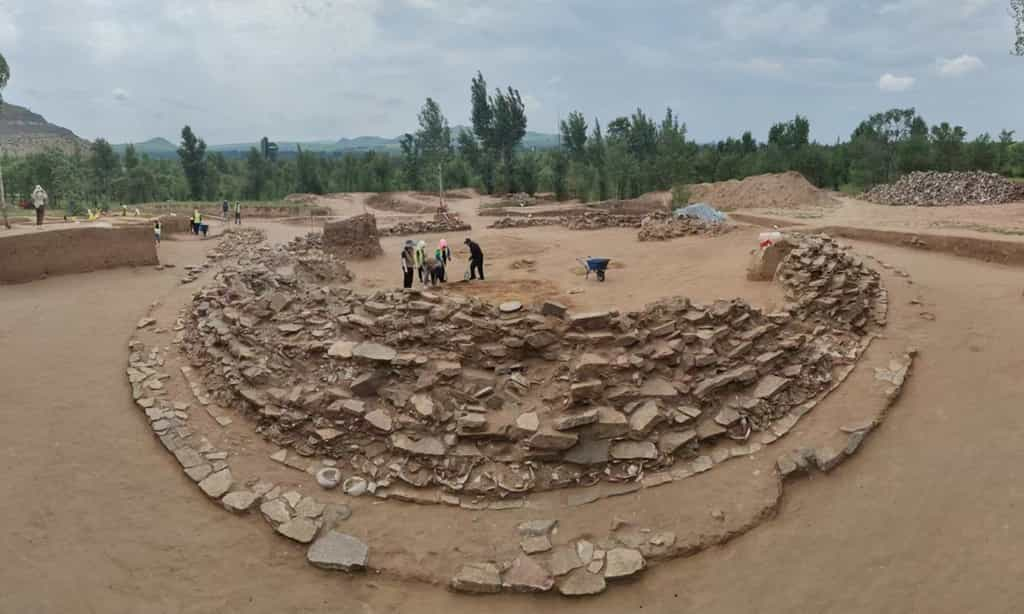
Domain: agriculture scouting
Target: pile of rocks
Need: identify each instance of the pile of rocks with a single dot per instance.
(235, 242)
(589, 220)
(411, 388)
(312, 258)
(527, 221)
(448, 223)
(354, 237)
(594, 220)
(662, 227)
(935, 189)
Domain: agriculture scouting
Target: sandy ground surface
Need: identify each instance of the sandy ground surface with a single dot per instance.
(1003, 222)
(925, 519)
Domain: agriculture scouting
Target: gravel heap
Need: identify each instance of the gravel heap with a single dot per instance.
(934, 189)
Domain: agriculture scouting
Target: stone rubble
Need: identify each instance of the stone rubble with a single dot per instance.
(662, 226)
(937, 189)
(354, 238)
(411, 388)
(451, 223)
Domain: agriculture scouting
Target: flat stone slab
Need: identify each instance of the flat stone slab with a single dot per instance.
(300, 529)
(622, 563)
(239, 501)
(426, 446)
(375, 352)
(510, 307)
(769, 386)
(338, 551)
(477, 578)
(341, 349)
(216, 485)
(527, 576)
(581, 583)
(634, 450)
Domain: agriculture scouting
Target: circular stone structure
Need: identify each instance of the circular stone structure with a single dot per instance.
(434, 391)
(433, 398)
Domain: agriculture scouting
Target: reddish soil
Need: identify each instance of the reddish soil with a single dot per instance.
(26, 254)
(922, 520)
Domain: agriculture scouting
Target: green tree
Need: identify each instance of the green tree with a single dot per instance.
(574, 135)
(192, 154)
(948, 142)
(5, 76)
(308, 173)
(560, 166)
(104, 166)
(255, 175)
(410, 160)
(434, 138)
(1017, 11)
(482, 114)
(131, 158)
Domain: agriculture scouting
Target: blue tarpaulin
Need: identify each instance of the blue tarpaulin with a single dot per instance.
(703, 212)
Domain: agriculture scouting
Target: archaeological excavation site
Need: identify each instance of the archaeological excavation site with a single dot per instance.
(562, 447)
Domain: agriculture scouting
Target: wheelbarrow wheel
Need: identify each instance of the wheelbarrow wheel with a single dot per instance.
(600, 276)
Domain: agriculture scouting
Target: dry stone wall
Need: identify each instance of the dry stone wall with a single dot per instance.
(449, 223)
(414, 389)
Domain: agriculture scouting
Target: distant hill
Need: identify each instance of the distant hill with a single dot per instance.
(24, 132)
(162, 148)
(154, 148)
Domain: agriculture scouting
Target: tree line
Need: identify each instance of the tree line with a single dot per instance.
(626, 157)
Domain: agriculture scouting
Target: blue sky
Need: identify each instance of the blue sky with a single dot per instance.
(235, 70)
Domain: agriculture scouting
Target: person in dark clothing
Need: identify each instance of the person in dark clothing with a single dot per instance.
(224, 208)
(408, 264)
(476, 259)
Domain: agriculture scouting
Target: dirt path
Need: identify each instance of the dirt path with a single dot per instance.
(924, 519)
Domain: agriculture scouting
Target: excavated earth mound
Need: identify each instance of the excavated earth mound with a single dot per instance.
(444, 392)
(789, 190)
(934, 189)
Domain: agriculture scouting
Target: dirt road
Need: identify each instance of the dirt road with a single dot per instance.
(925, 519)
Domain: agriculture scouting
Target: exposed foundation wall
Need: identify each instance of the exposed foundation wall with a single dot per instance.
(29, 256)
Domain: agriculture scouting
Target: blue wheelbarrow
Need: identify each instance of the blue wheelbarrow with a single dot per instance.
(597, 266)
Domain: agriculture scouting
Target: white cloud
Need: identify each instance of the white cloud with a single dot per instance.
(761, 66)
(119, 94)
(946, 8)
(891, 83)
(759, 18)
(532, 103)
(8, 33)
(960, 66)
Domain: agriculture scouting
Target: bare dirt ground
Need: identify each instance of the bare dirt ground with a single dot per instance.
(923, 520)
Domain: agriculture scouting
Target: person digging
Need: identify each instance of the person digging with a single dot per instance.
(476, 259)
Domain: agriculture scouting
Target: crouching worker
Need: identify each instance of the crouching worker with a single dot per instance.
(434, 270)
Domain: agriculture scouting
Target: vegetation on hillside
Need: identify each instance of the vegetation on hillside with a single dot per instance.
(630, 155)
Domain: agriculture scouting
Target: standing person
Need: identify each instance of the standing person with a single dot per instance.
(197, 219)
(39, 200)
(476, 259)
(156, 231)
(408, 264)
(445, 258)
(238, 212)
(124, 210)
(421, 257)
(224, 208)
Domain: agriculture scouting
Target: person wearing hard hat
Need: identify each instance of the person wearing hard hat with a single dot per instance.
(39, 200)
